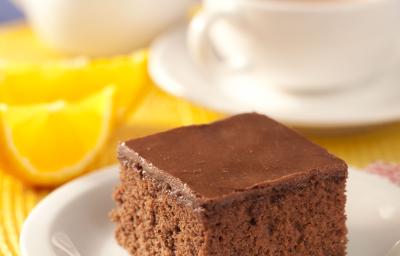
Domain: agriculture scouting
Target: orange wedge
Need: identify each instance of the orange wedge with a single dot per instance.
(50, 143)
(74, 79)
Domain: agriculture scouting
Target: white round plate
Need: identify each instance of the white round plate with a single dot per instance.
(173, 70)
(73, 220)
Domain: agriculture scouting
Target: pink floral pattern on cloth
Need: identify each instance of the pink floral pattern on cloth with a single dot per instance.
(388, 170)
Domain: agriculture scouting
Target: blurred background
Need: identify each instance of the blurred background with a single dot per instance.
(8, 11)
(76, 79)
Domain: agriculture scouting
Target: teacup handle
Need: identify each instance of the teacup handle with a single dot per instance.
(201, 46)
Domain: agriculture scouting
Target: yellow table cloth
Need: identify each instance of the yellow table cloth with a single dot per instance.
(157, 111)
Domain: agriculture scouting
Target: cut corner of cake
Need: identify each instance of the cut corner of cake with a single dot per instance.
(245, 185)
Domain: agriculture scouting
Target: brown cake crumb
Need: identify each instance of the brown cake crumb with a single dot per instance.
(246, 185)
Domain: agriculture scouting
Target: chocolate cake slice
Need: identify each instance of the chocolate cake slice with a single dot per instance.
(246, 185)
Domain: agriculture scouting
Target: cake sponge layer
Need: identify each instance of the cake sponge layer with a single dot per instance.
(246, 185)
(304, 219)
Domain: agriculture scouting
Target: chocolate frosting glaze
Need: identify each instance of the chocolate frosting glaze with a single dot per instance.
(240, 153)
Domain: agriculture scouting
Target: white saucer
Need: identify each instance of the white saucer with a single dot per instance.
(173, 70)
(73, 220)
(75, 217)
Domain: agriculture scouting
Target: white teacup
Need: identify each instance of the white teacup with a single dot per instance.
(102, 27)
(297, 45)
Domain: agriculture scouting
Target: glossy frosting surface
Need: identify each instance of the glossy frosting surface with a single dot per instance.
(232, 155)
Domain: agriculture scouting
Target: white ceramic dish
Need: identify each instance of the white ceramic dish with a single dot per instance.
(101, 28)
(73, 220)
(294, 45)
(174, 71)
